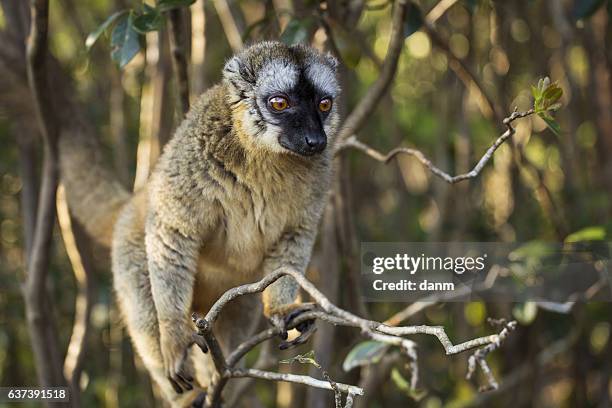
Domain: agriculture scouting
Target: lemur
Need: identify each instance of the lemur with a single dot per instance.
(237, 193)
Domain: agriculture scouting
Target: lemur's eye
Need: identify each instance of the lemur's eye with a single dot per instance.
(278, 103)
(325, 104)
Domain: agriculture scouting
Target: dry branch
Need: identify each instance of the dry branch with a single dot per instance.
(353, 142)
(40, 325)
(329, 312)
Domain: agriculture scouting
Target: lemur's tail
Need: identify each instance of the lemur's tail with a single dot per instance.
(94, 194)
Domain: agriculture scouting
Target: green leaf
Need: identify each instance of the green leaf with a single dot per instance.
(414, 19)
(149, 20)
(94, 35)
(296, 31)
(535, 91)
(595, 233)
(364, 353)
(586, 8)
(551, 123)
(125, 41)
(165, 5)
(552, 94)
(403, 385)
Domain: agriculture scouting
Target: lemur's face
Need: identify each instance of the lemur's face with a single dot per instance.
(284, 97)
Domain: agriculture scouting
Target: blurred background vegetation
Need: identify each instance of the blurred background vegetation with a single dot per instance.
(465, 65)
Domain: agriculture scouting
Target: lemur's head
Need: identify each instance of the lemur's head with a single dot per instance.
(283, 97)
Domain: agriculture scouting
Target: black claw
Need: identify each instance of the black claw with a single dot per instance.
(177, 388)
(184, 382)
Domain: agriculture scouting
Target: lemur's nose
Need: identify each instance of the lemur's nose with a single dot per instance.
(316, 143)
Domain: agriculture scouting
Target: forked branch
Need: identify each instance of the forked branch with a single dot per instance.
(326, 311)
(353, 142)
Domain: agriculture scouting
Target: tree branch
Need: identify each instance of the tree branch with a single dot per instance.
(353, 142)
(40, 324)
(329, 312)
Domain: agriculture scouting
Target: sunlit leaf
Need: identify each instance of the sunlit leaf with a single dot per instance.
(93, 36)
(586, 8)
(414, 19)
(403, 385)
(595, 233)
(125, 41)
(165, 5)
(364, 353)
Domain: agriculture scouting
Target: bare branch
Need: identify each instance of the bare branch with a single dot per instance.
(353, 142)
(298, 379)
(41, 326)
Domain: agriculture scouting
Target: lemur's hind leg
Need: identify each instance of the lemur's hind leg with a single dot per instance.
(131, 283)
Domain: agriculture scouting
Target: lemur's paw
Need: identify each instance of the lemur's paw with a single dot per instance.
(175, 345)
(306, 327)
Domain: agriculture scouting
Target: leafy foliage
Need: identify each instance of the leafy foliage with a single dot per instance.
(129, 25)
(546, 98)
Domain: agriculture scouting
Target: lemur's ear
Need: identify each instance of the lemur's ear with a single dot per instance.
(237, 73)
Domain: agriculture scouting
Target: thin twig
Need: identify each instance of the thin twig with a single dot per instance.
(353, 142)
(480, 355)
(298, 379)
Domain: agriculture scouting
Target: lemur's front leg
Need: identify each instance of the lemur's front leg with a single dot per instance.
(172, 260)
(281, 303)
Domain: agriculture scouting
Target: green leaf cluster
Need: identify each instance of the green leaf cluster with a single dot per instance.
(546, 98)
(129, 25)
